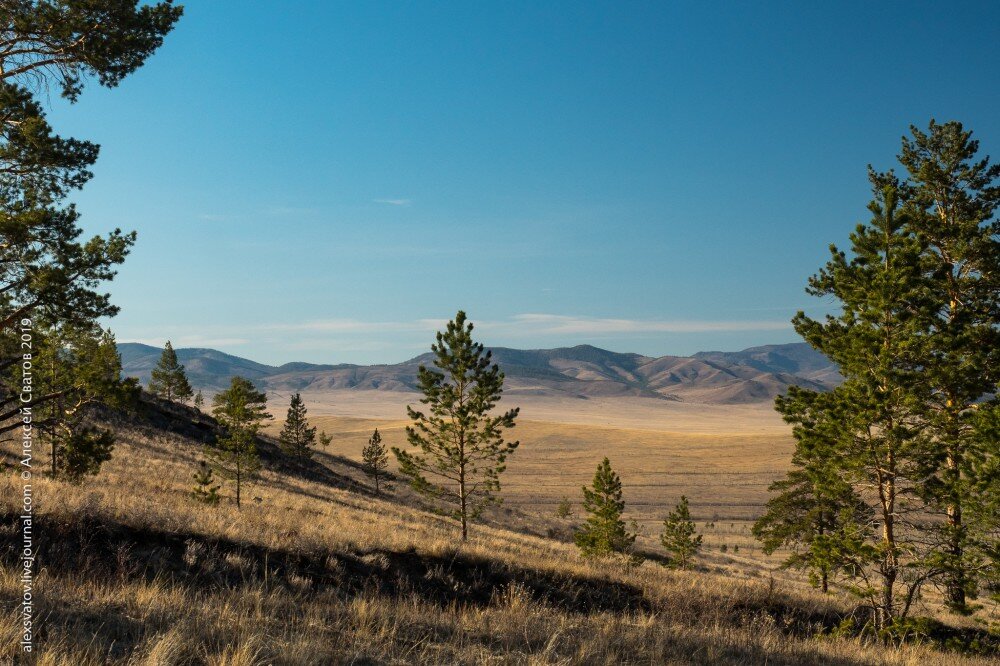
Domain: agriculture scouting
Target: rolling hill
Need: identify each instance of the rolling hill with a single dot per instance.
(752, 375)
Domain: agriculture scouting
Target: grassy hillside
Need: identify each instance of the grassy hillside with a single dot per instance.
(316, 570)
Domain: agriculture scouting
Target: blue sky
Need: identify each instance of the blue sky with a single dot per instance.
(329, 181)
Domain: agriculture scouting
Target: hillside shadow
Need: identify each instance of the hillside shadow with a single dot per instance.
(97, 547)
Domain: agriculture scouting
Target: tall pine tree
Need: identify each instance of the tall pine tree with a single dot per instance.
(241, 410)
(604, 532)
(51, 275)
(883, 295)
(168, 379)
(459, 441)
(297, 436)
(954, 198)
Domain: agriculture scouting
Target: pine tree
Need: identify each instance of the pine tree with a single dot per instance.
(83, 452)
(199, 400)
(80, 366)
(297, 437)
(241, 409)
(461, 451)
(51, 274)
(954, 196)
(679, 536)
(375, 458)
(204, 489)
(604, 532)
(882, 294)
(983, 506)
(814, 512)
(168, 379)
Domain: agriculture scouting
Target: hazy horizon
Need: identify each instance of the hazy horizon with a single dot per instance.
(399, 353)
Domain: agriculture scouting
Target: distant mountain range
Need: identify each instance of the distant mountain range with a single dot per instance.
(752, 375)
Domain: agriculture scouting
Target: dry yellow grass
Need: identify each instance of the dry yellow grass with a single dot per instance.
(135, 572)
(722, 458)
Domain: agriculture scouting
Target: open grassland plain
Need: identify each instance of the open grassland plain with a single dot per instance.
(722, 457)
(317, 570)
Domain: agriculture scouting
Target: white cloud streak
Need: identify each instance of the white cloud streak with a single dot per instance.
(539, 324)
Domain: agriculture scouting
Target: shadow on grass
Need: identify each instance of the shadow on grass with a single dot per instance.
(96, 547)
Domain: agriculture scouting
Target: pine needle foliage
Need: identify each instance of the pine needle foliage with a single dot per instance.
(241, 410)
(815, 512)
(604, 532)
(679, 537)
(458, 446)
(954, 194)
(83, 452)
(205, 489)
(375, 459)
(297, 436)
(168, 379)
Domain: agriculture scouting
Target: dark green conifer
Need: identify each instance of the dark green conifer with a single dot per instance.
(460, 449)
(241, 410)
(297, 436)
(375, 459)
(604, 532)
(204, 489)
(51, 273)
(679, 537)
(882, 294)
(954, 194)
(83, 452)
(814, 512)
(168, 379)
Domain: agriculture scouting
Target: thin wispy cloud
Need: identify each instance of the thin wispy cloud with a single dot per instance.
(357, 326)
(286, 211)
(551, 324)
(393, 202)
(537, 325)
(189, 341)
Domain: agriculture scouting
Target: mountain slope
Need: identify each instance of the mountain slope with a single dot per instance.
(751, 375)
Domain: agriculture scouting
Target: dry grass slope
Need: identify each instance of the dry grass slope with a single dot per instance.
(132, 571)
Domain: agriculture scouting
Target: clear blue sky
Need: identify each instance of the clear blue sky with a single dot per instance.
(326, 181)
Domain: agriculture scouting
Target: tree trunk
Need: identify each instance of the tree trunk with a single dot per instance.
(462, 499)
(890, 563)
(238, 485)
(955, 592)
